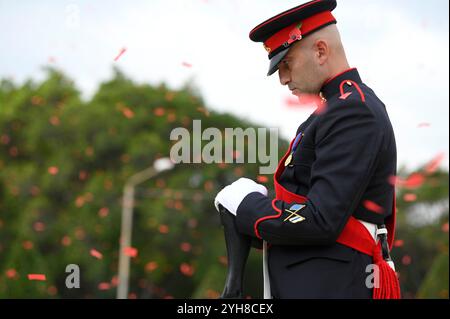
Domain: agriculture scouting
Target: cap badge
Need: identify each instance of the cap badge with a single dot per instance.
(294, 35)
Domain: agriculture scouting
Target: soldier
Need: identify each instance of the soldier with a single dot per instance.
(325, 227)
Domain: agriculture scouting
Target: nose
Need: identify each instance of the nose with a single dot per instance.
(284, 74)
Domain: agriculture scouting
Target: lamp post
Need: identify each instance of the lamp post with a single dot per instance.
(159, 166)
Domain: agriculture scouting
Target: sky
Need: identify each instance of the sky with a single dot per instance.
(401, 49)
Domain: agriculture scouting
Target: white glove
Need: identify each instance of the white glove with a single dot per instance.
(232, 195)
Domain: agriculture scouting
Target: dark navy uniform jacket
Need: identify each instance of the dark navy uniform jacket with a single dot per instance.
(344, 160)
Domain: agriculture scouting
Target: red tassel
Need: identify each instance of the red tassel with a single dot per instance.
(388, 286)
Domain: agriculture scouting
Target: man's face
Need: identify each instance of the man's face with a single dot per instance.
(299, 70)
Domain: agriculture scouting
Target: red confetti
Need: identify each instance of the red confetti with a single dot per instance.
(54, 120)
(415, 180)
(187, 269)
(410, 197)
(374, 207)
(52, 290)
(212, 294)
(11, 273)
(79, 201)
(395, 181)
(14, 151)
(96, 254)
(53, 170)
(345, 95)
(159, 111)
(445, 227)
(39, 277)
(103, 212)
(398, 243)
(151, 266)
(4, 139)
(406, 260)
(178, 205)
(187, 65)
(433, 165)
(122, 51)
(223, 260)
(82, 175)
(114, 281)
(186, 247)
(291, 102)
(192, 223)
(163, 229)
(305, 101)
(66, 241)
(104, 286)
(128, 113)
(262, 179)
(130, 251)
(27, 245)
(171, 117)
(35, 190)
(39, 226)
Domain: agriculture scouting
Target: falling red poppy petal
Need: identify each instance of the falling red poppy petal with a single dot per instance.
(410, 197)
(406, 260)
(433, 165)
(187, 269)
(96, 254)
(11, 273)
(373, 207)
(424, 125)
(39, 277)
(262, 179)
(398, 243)
(396, 181)
(415, 180)
(104, 286)
(122, 51)
(130, 251)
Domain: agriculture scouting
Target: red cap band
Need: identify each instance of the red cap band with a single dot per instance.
(291, 33)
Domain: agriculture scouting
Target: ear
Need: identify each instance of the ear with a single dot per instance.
(322, 51)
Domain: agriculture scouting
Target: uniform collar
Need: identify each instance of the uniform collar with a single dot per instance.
(331, 86)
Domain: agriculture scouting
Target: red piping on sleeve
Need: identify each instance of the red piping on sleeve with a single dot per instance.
(255, 226)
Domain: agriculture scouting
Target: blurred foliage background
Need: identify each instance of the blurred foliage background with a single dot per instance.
(64, 162)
